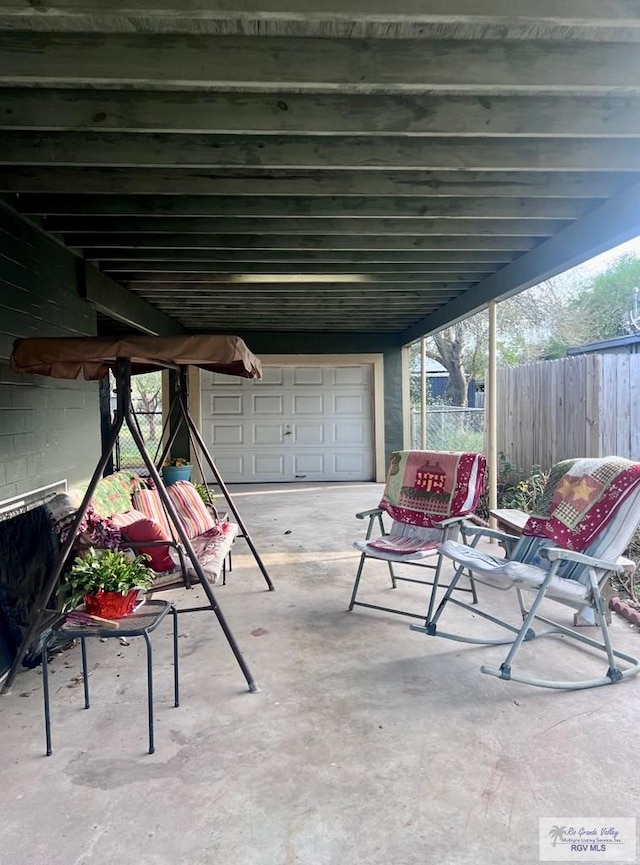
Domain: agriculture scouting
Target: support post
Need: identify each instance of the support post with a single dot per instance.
(492, 411)
(423, 394)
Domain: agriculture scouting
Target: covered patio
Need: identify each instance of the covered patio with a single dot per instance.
(331, 181)
(367, 742)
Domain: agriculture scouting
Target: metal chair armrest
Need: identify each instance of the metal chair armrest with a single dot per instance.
(623, 564)
(468, 529)
(374, 512)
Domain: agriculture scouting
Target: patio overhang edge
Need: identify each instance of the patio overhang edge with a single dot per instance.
(614, 222)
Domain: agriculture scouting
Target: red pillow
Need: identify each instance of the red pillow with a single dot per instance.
(149, 530)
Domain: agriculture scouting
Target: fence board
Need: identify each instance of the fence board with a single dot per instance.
(608, 441)
(622, 412)
(587, 405)
(634, 405)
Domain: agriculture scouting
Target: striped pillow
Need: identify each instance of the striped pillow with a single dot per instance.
(192, 511)
(149, 503)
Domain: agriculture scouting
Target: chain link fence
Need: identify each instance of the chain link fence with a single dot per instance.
(450, 428)
(146, 398)
(127, 455)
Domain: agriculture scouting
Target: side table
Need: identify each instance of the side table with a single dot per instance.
(138, 624)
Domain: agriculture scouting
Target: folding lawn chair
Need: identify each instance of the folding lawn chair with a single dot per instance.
(427, 495)
(589, 511)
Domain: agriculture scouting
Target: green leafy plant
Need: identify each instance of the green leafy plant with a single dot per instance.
(109, 571)
(205, 493)
(178, 462)
(517, 489)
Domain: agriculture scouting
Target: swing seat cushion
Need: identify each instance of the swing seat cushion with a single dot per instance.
(212, 547)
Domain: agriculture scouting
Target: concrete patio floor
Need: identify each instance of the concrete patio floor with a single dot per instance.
(367, 743)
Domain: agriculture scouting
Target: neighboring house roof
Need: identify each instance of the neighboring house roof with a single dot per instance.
(605, 345)
(433, 367)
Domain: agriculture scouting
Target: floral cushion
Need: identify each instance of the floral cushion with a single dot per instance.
(113, 493)
(212, 548)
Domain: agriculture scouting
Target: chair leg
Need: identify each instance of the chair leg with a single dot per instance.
(434, 589)
(430, 627)
(356, 583)
(394, 585)
(614, 672)
(474, 593)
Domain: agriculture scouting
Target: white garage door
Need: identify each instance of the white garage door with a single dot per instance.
(312, 423)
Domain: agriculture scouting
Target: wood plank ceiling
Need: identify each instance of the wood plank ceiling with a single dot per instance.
(330, 165)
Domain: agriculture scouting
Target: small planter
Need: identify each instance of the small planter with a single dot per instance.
(171, 474)
(111, 605)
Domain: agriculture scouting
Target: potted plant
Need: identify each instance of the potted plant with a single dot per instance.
(176, 470)
(108, 581)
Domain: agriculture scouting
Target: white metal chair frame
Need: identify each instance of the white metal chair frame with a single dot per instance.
(597, 570)
(450, 528)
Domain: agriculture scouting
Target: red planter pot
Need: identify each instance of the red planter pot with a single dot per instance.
(111, 605)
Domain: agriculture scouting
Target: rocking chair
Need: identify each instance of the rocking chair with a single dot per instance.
(589, 511)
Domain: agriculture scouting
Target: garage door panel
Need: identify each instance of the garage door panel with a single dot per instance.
(226, 434)
(271, 375)
(267, 404)
(309, 464)
(222, 404)
(352, 404)
(351, 462)
(351, 375)
(308, 433)
(298, 422)
(229, 465)
(268, 465)
(312, 404)
(349, 433)
(267, 434)
(308, 375)
(209, 380)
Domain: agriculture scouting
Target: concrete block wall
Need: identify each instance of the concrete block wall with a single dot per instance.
(49, 429)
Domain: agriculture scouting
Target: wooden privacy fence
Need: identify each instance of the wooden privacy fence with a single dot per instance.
(587, 405)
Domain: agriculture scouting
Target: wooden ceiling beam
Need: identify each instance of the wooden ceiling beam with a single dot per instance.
(189, 271)
(320, 113)
(592, 12)
(348, 65)
(303, 152)
(300, 225)
(59, 207)
(311, 257)
(297, 242)
(178, 290)
(59, 184)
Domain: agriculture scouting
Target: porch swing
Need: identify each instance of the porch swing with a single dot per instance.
(94, 357)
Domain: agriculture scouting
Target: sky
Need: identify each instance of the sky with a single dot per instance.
(601, 262)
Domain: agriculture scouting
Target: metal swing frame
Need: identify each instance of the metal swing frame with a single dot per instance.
(42, 615)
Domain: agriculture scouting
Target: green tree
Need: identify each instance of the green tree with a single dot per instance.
(147, 393)
(607, 300)
(540, 322)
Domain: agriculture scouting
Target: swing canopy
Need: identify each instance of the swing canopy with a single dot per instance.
(94, 356)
